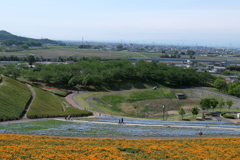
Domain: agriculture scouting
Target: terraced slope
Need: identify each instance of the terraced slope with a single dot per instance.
(49, 105)
(14, 97)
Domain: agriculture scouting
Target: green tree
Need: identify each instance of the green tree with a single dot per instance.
(213, 103)
(229, 103)
(119, 47)
(32, 76)
(23, 66)
(46, 75)
(24, 46)
(221, 103)
(11, 70)
(220, 84)
(194, 111)
(190, 52)
(234, 89)
(86, 80)
(205, 103)
(181, 112)
(226, 72)
(31, 59)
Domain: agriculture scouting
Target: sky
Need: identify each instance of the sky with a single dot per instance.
(183, 22)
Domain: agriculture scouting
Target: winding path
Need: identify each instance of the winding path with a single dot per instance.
(70, 99)
(32, 99)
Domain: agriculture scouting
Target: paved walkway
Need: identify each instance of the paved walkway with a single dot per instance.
(70, 99)
(218, 117)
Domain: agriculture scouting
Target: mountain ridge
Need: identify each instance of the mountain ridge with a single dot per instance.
(4, 35)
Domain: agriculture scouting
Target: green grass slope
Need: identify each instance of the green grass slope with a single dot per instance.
(131, 96)
(49, 105)
(14, 97)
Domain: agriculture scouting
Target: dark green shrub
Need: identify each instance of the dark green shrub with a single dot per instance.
(229, 116)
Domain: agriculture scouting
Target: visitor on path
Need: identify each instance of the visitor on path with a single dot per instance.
(65, 117)
(122, 121)
(119, 121)
(200, 133)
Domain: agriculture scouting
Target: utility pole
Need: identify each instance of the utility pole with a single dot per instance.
(163, 111)
(166, 111)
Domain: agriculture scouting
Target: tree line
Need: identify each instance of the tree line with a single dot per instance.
(11, 42)
(97, 73)
(231, 88)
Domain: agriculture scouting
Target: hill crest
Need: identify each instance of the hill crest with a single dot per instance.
(4, 35)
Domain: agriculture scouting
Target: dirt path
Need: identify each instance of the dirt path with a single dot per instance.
(32, 99)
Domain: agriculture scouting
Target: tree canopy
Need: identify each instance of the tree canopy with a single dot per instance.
(181, 112)
(94, 72)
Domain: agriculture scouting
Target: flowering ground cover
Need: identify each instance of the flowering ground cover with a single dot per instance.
(42, 147)
(110, 128)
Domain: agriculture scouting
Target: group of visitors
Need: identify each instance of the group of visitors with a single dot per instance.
(120, 121)
(68, 117)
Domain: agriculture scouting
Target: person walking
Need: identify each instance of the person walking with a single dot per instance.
(122, 121)
(200, 133)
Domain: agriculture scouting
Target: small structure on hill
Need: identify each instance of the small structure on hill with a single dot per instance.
(180, 95)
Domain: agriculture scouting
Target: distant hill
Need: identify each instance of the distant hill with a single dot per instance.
(4, 35)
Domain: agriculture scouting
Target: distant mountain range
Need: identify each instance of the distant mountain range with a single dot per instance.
(4, 35)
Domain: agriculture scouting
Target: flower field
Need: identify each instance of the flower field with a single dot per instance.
(109, 128)
(17, 147)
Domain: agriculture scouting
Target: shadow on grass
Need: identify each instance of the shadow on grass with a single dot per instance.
(184, 119)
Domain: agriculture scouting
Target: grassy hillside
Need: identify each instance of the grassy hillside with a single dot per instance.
(49, 105)
(56, 91)
(132, 96)
(14, 97)
(145, 104)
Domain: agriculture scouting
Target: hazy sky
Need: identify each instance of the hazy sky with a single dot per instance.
(206, 22)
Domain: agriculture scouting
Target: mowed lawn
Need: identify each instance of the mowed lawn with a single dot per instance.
(14, 97)
(47, 104)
